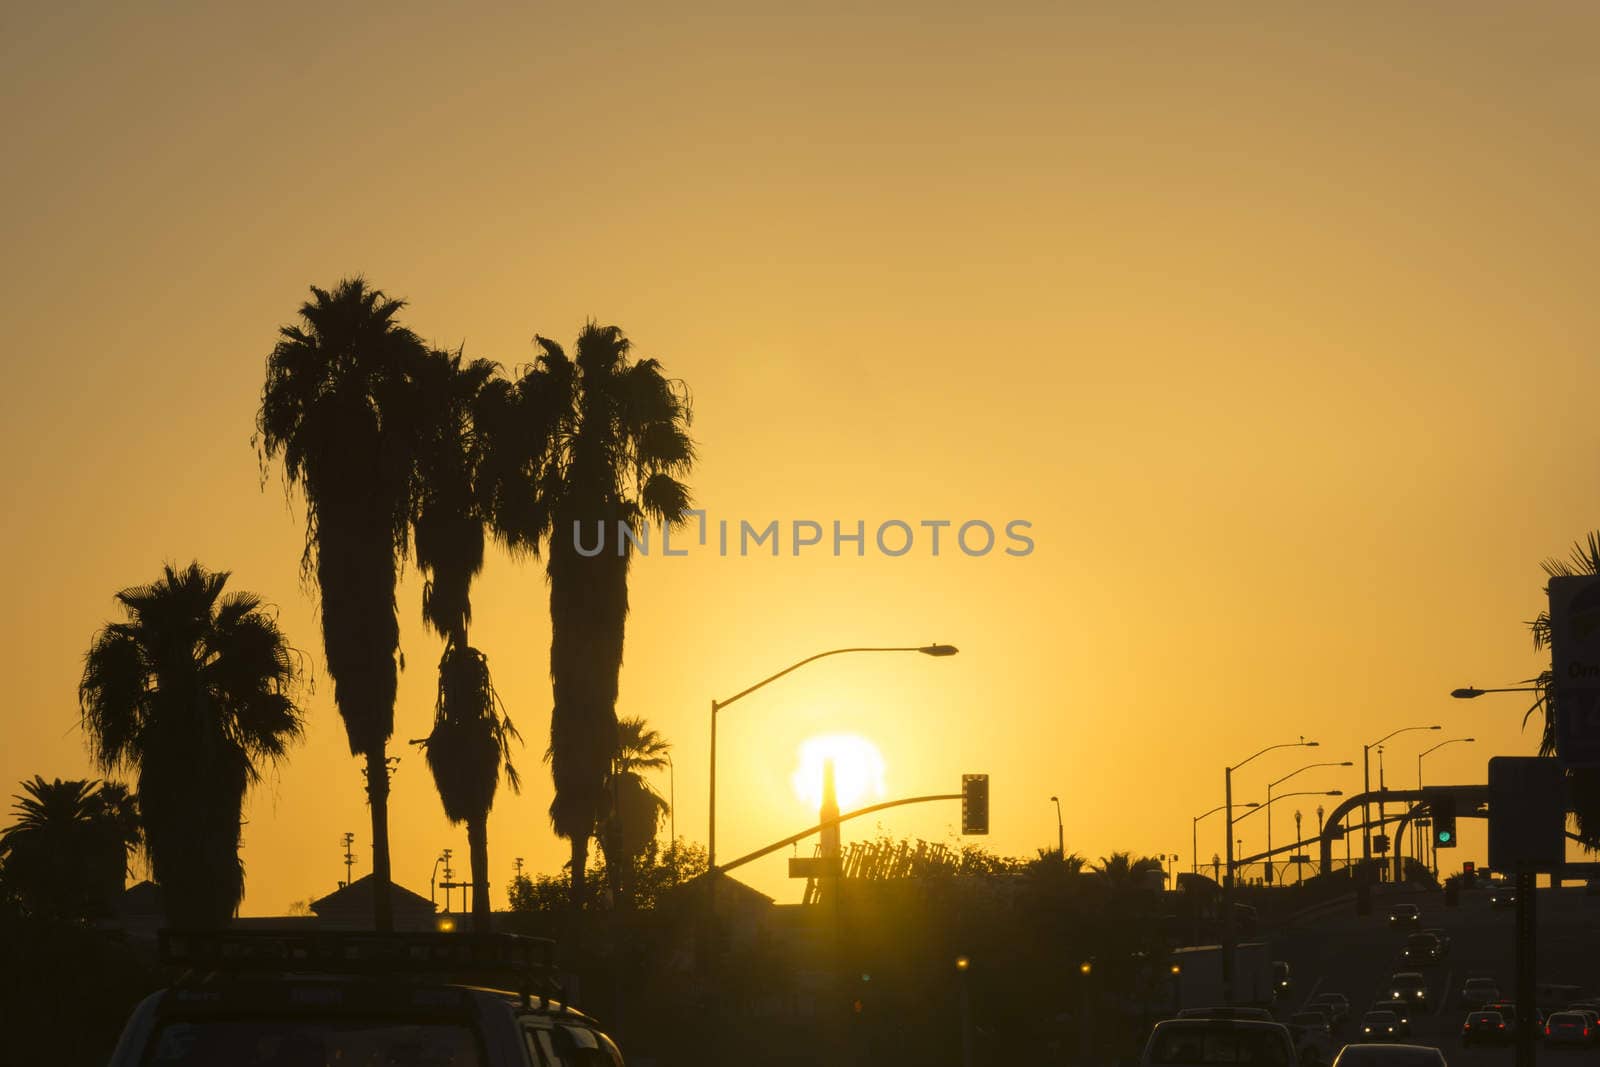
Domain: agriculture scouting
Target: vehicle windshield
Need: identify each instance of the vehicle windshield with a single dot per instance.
(1420, 939)
(1389, 1056)
(310, 1043)
(1307, 1018)
(1380, 1018)
(1198, 1043)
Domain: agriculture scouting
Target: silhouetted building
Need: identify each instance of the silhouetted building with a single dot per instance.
(350, 908)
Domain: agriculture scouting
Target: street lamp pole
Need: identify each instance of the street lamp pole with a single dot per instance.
(1195, 830)
(1441, 744)
(1280, 781)
(1366, 786)
(672, 797)
(1227, 880)
(1061, 833)
(718, 705)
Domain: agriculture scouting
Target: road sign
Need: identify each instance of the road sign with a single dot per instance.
(1575, 664)
(974, 803)
(1527, 814)
(816, 867)
(1300, 858)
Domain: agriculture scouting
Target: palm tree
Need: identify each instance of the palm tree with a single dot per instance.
(66, 856)
(635, 811)
(1121, 871)
(471, 737)
(1584, 782)
(191, 694)
(578, 444)
(340, 407)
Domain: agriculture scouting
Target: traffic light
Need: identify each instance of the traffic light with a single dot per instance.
(1444, 821)
(974, 803)
(1469, 868)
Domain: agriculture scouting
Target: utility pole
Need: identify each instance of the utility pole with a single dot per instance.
(349, 857)
(519, 868)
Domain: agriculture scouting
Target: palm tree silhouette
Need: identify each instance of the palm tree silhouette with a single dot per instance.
(190, 694)
(578, 444)
(340, 407)
(471, 737)
(635, 809)
(1121, 871)
(66, 856)
(1583, 782)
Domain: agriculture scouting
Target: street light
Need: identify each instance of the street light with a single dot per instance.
(1280, 781)
(672, 795)
(1420, 838)
(1061, 833)
(1285, 796)
(1195, 841)
(1469, 692)
(1227, 881)
(1366, 787)
(718, 705)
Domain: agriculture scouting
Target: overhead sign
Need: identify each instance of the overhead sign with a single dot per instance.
(1575, 665)
(1527, 814)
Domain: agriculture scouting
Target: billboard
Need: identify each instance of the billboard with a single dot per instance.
(1575, 665)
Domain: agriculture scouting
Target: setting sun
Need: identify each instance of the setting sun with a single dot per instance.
(858, 770)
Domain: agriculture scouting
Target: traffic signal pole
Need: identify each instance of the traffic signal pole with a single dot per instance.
(1527, 969)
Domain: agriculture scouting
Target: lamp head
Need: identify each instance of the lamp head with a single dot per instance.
(1056, 799)
(1347, 763)
(938, 650)
(1336, 792)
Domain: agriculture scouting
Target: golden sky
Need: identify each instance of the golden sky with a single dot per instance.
(1270, 320)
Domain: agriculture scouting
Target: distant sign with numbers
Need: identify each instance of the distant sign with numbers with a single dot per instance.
(1575, 665)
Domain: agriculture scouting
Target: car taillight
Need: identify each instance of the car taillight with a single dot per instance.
(1502, 1026)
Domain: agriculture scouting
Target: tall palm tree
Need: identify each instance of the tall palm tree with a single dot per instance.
(1121, 871)
(1584, 782)
(191, 694)
(341, 408)
(66, 856)
(471, 737)
(580, 444)
(634, 809)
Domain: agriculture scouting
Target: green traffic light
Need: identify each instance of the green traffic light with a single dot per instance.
(1444, 835)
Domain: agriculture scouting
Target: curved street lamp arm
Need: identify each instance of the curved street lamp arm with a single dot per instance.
(1403, 729)
(1269, 748)
(929, 650)
(1310, 766)
(1284, 796)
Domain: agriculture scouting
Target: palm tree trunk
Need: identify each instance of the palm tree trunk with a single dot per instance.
(580, 859)
(478, 847)
(378, 797)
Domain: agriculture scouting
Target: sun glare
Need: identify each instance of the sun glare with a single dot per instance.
(857, 770)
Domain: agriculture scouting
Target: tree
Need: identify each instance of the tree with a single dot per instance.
(191, 694)
(340, 408)
(471, 736)
(634, 810)
(66, 856)
(1584, 559)
(1120, 871)
(576, 447)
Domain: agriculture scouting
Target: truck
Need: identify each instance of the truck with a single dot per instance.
(1197, 976)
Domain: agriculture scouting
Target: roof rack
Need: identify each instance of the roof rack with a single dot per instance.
(530, 960)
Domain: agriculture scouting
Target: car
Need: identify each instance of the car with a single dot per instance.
(1386, 1055)
(1441, 937)
(1402, 1015)
(1421, 947)
(1338, 1003)
(360, 997)
(1485, 1028)
(1503, 896)
(1409, 987)
(1476, 992)
(1234, 1012)
(1405, 915)
(1282, 983)
(1509, 1010)
(1568, 1028)
(1310, 1027)
(1204, 1042)
(1379, 1026)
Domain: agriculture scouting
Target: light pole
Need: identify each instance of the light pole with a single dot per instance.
(1299, 868)
(1285, 796)
(1366, 787)
(1441, 744)
(433, 881)
(718, 705)
(1280, 781)
(1195, 834)
(672, 797)
(1061, 833)
(1227, 878)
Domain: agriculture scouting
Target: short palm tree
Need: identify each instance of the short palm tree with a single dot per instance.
(1121, 871)
(471, 736)
(576, 444)
(66, 856)
(1584, 782)
(191, 694)
(341, 409)
(634, 809)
